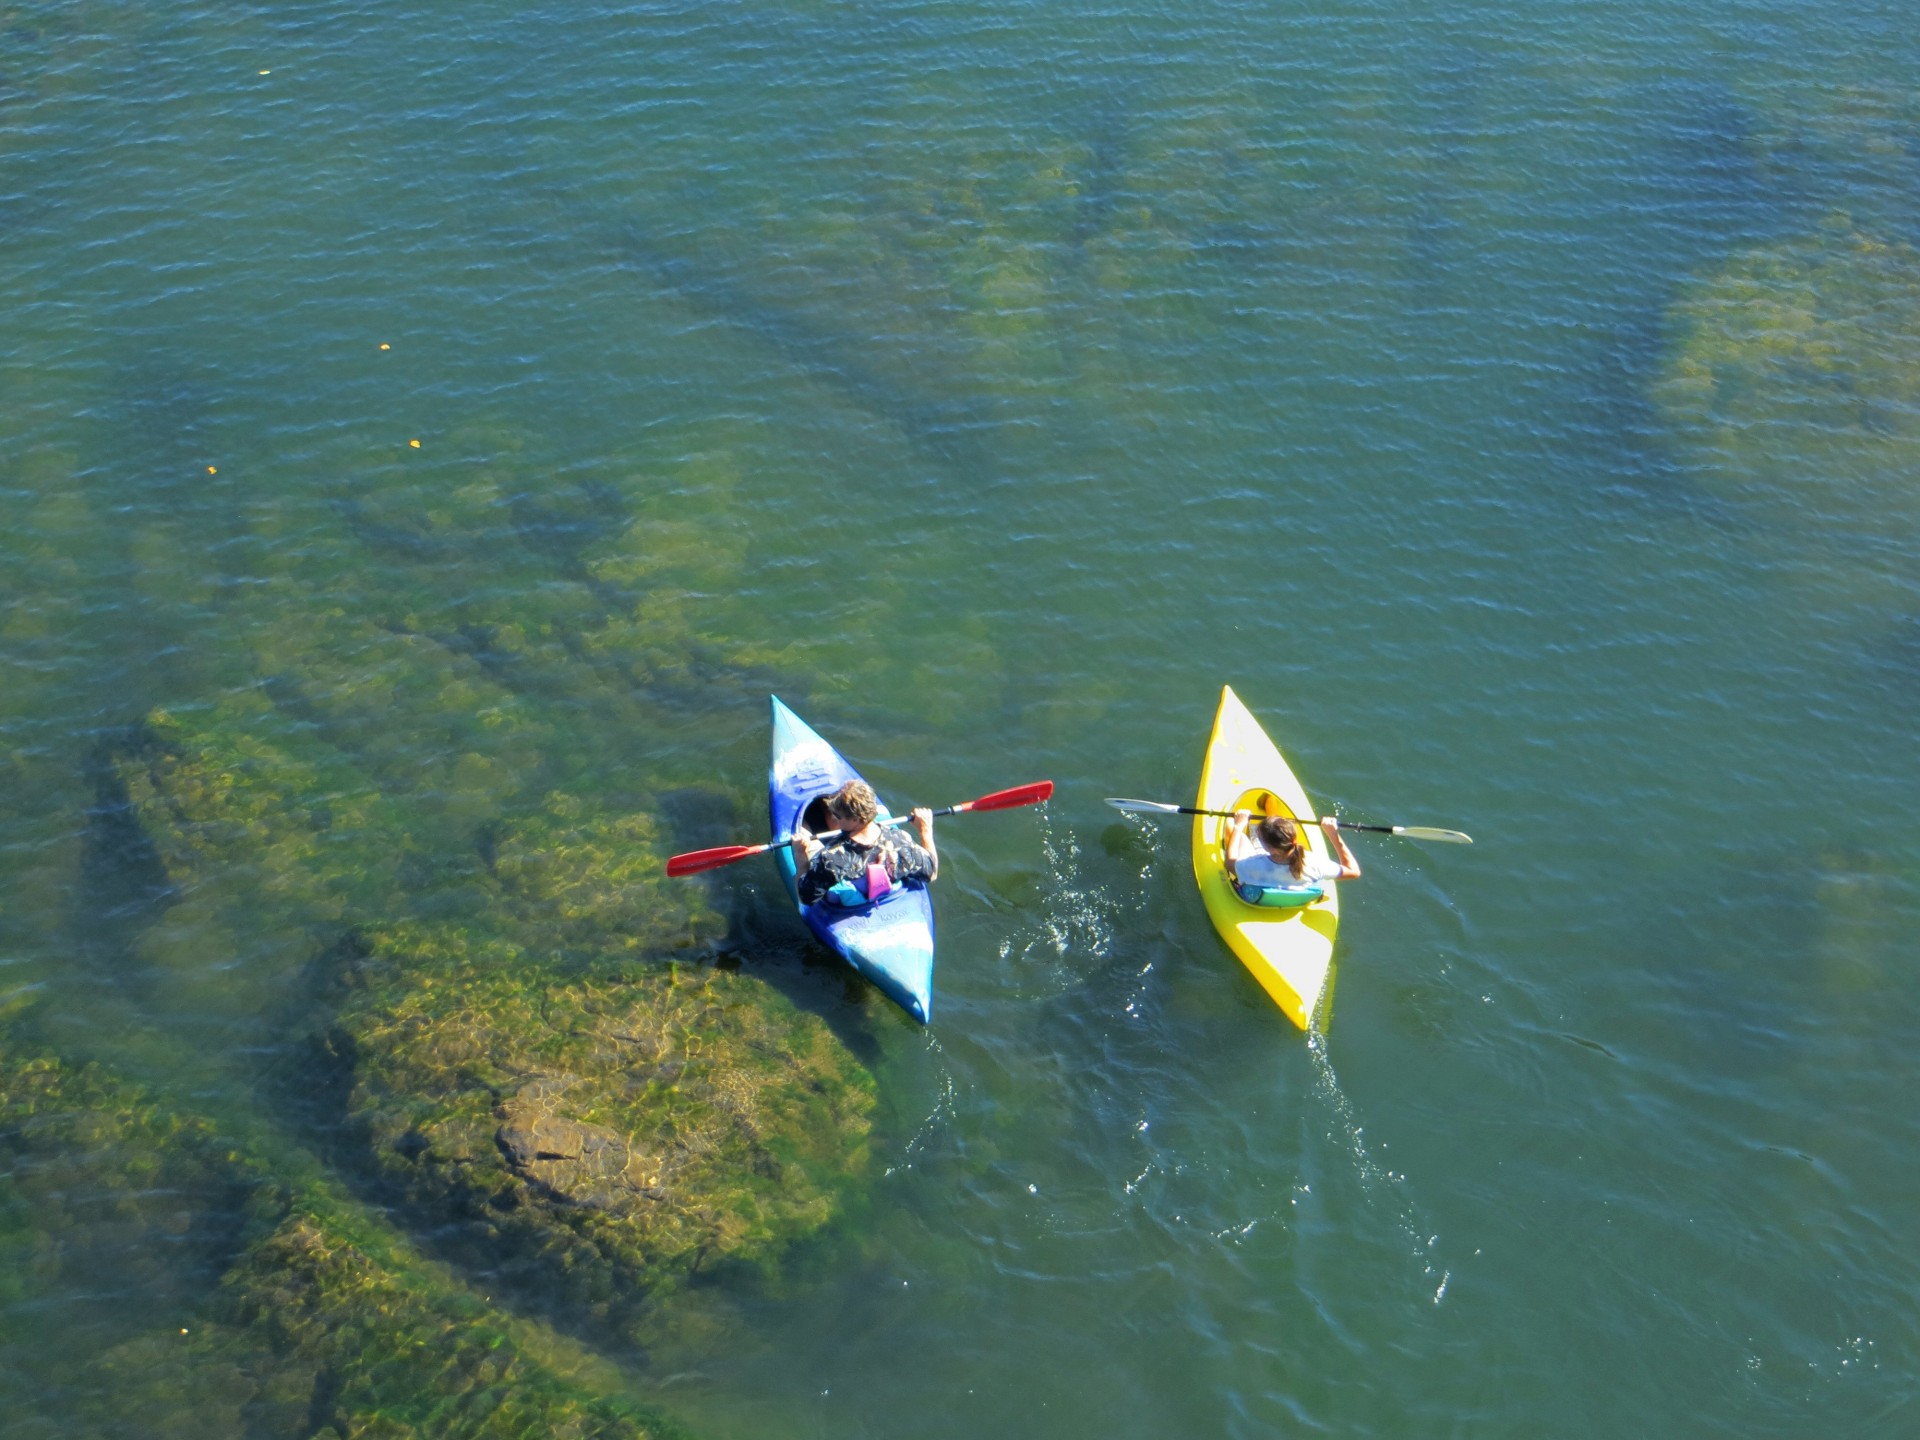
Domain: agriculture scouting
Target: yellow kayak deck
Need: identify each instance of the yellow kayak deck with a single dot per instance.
(1290, 952)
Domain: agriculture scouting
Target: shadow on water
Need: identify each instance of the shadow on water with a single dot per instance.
(937, 419)
(123, 885)
(1102, 180)
(1710, 168)
(564, 524)
(942, 430)
(919, 397)
(766, 937)
(556, 531)
(399, 542)
(763, 933)
(557, 528)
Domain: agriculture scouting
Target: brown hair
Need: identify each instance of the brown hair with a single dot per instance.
(855, 803)
(1283, 835)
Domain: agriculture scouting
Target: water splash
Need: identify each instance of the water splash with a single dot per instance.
(1075, 917)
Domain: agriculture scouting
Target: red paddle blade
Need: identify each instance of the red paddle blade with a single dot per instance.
(694, 861)
(1007, 799)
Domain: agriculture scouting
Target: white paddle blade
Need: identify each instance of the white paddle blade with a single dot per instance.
(1423, 832)
(1150, 806)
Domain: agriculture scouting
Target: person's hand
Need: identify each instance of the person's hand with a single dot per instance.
(1332, 826)
(922, 817)
(1242, 816)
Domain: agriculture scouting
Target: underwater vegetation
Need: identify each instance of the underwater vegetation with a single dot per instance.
(389, 772)
(497, 1025)
(393, 842)
(235, 1302)
(106, 1189)
(401, 849)
(1793, 379)
(607, 1134)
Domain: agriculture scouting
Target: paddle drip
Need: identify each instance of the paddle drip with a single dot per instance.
(1074, 917)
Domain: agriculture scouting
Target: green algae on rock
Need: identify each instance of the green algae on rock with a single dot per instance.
(580, 881)
(263, 827)
(321, 1330)
(509, 1043)
(1793, 383)
(106, 1193)
(271, 842)
(601, 622)
(607, 1133)
(243, 799)
(325, 1322)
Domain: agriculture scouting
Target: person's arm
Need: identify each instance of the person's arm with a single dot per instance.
(1349, 867)
(922, 817)
(1230, 843)
(805, 847)
(812, 880)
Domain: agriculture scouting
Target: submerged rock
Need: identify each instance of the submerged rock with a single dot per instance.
(1793, 384)
(508, 1043)
(605, 1134)
(322, 1330)
(574, 1163)
(325, 1321)
(108, 1197)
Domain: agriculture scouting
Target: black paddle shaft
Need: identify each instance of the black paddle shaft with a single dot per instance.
(829, 836)
(1229, 814)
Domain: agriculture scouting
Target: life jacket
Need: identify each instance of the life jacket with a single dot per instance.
(869, 889)
(1281, 897)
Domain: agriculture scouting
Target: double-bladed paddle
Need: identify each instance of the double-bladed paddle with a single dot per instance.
(694, 861)
(1408, 832)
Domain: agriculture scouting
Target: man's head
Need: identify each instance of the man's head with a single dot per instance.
(853, 805)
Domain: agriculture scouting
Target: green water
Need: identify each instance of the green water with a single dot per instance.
(1518, 406)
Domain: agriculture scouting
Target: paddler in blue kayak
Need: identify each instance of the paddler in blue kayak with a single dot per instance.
(867, 859)
(1271, 857)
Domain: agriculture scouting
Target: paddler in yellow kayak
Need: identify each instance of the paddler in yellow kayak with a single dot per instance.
(1269, 856)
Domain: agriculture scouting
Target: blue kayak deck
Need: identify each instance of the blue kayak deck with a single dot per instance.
(890, 942)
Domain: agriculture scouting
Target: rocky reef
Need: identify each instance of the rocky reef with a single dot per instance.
(500, 1029)
(600, 1133)
(477, 1068)
(1793, 382)
(236, 1300)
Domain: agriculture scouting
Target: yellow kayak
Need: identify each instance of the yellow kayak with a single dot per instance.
(1290, 952)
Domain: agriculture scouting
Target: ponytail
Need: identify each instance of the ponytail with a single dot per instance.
(1283, 835)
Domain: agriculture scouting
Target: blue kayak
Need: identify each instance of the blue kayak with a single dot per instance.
(890, 941)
